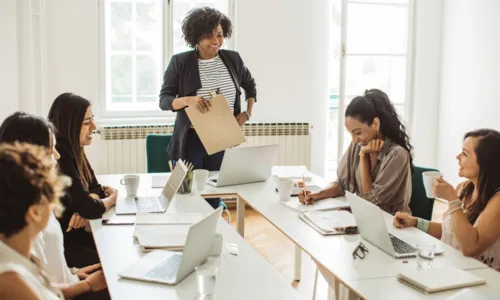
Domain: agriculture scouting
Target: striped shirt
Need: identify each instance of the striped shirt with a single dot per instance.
(215, 75)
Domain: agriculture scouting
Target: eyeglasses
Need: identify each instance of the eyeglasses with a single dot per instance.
(360, 251)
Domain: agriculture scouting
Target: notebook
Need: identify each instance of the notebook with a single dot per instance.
(330, 222)
(168, 237)
(153, 222)
(438, 279)
(326, 204)
(291, 172)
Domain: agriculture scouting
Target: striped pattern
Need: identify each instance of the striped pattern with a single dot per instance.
(214, 75)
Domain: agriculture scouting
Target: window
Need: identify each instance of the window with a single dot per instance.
(369, 49)
(139, 38)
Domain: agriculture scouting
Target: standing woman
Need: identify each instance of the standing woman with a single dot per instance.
(193, 75)
(86, 198)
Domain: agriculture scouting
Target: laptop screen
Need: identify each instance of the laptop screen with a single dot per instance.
(175, 180)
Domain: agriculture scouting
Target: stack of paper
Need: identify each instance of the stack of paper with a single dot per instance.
(329, 222)
(291, 172)
(163, 231)
(326, 204)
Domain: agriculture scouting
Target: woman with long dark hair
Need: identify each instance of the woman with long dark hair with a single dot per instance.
(379, 161)
(48, 246)
(471, 223)
(73, 118)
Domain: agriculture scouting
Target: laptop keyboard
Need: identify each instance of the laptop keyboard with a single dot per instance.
(148, 204)
(401, 247)
(166, 270)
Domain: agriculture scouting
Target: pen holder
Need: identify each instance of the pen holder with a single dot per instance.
(186, 184)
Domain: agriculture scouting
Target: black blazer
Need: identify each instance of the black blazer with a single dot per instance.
(77, 198)
(182, 78)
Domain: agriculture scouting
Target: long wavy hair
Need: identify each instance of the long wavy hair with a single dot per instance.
(376, 104)
(488, 184)
(67, 113)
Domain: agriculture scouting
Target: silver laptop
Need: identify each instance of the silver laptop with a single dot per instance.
(245, 165)
(371, 225)
(154, 204)
(171, 267)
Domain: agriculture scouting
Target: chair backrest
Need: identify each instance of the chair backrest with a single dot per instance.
(157, 156)
(420, 205)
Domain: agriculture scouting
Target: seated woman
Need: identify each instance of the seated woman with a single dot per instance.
(74, 121)
(379, 161)
(29, 192)
(48, 245)
(471, 223)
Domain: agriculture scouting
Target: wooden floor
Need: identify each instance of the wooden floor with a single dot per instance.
(278, 250)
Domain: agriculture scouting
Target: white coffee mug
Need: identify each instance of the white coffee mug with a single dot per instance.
(200, 178)
(131, 183)
(428, 178)
(285, 187)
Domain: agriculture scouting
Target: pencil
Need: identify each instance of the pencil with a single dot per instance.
(170, 165)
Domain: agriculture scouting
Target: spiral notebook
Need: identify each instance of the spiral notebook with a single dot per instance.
(438, 279)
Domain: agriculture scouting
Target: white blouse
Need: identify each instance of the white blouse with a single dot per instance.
(49, 248)
(29, 271)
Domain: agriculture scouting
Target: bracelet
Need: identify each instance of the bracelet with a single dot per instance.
(454, 209)
(422, 224)
(247, 115)
(454, 203)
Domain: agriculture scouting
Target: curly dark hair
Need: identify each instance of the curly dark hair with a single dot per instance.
(376, 104)
(201, 22)
(28, 177)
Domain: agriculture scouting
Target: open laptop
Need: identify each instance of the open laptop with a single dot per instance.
(171, 267)
(154, 204)
(371, 225)
(245, 165)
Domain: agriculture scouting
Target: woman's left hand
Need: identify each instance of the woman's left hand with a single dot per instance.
(76, 222)
(443, 190)
(241, 118)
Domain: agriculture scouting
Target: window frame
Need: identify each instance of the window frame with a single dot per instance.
(139, 117)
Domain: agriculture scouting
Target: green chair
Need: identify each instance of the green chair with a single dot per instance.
(157, 156)
(420, 205)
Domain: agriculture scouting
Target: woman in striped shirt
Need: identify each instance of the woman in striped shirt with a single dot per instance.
(193, 75)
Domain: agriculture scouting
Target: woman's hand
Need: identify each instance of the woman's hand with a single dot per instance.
(373, 146)
(402, 219)
(83, 273)
(308, 197)
(76, 222)
(241, 118)
(96, 281)
(202, 104)
(443, 190)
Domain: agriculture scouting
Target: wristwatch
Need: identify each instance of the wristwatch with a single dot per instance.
(247, 115)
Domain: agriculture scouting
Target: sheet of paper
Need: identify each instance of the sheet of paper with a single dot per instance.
(326, 204)
(328, 220)
(162, 236)
(218, 129)
(167, 218)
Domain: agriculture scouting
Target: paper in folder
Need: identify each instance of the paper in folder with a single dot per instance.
(218, 129)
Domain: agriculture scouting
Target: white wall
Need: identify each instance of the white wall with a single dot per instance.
(427, 78)
(8, 58)
(470, 74)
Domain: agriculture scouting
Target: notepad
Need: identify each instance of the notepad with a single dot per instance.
(168, 237)
(291, 172)
(438, 279)
(329, 222)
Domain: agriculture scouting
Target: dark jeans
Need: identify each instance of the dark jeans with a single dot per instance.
(79, 249)
(197, 155)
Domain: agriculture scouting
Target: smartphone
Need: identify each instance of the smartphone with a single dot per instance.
(119, 221)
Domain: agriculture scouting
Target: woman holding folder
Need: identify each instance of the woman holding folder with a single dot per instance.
(192, 76)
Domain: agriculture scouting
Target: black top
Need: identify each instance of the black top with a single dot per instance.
(182, 78)
(77, 198)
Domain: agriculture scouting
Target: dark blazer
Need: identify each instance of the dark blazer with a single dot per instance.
(182, 78)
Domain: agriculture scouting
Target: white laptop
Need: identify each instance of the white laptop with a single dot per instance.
(245, 165)
(171, 267)
(154, 204)
(371, 225)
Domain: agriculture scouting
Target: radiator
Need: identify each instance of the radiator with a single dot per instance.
(122, 149)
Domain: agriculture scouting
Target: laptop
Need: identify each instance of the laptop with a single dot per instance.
(154, 204)
(171, 267)
(371, 225)
(245, 165)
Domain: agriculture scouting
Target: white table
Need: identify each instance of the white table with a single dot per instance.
(385, 288)
(246, 276)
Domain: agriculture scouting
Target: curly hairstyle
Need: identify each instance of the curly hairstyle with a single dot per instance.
(201, 22)
(488, 184)
(28, 177)
(376, 104)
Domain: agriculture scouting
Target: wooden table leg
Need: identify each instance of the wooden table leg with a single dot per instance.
(297, 268)
(240, 216)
